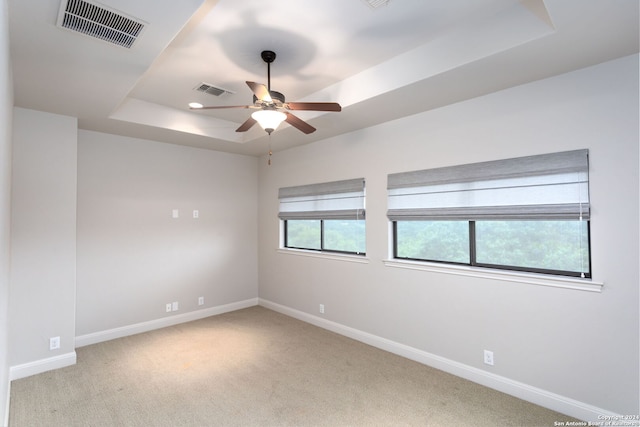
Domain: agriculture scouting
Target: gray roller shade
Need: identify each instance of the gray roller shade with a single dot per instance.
(330, 200)
(542, 187)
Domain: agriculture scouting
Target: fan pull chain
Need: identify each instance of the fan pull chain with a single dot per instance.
(270, 152)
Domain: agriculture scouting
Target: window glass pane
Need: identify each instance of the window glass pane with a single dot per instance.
(303, 234)
(547, 245)
(433, 240)
(344, 235)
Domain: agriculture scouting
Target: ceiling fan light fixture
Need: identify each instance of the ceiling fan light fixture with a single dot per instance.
(269, 120)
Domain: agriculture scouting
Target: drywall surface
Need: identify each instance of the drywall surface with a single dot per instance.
(579, 345)
(134, 257)
(43, 236)
(6, 118)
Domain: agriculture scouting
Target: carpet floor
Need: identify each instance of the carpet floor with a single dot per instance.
(256, 367)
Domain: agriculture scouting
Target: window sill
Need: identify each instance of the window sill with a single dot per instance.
(508, 276)
(326, 255)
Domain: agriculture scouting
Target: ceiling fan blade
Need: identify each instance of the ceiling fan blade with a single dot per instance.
(314, 106)
(299, 124)
(260, 91)
(220, 107)
(246, 125)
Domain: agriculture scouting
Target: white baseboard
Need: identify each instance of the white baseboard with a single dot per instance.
(151, 325)
(8, 405)
(43, 365)
(553, 401)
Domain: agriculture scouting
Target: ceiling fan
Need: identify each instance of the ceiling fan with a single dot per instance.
(271, 105)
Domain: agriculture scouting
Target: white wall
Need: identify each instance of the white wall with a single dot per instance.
(580, 347)
(43, 238)
(133, 257)
(6, 112)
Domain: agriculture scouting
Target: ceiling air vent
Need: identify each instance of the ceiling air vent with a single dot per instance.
(100, 22)
(374, 4)
(211, 89)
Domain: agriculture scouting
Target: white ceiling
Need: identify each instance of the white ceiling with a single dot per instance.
(379, 64)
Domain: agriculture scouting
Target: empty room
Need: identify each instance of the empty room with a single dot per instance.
(327, 213)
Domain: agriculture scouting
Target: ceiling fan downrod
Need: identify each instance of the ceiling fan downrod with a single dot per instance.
(268, 56)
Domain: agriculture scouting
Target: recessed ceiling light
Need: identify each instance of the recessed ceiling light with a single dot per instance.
(195, 105)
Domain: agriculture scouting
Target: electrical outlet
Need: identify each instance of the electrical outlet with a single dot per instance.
(174, 306)
(54, 343)
(168, 307)
(488, 357)
(201, 301)
(321, 308)
(196, 214)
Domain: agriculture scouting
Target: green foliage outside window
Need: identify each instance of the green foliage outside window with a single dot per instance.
(344, 236)
(545, 246)
(433, 240)
(304, 234)
(339, 235)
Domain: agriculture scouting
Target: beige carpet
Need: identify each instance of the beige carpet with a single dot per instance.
(256, 367)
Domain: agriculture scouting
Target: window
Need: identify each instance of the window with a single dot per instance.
(324, 217)
(446, 241)
(525, 214)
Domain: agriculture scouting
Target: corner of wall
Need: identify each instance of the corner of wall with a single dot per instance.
(6, 119)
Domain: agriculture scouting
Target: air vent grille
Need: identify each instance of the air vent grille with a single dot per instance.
(374, 4)
(97, 21)
(211, 89)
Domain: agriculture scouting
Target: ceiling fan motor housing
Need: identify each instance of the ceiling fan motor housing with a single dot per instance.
(277, 97)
